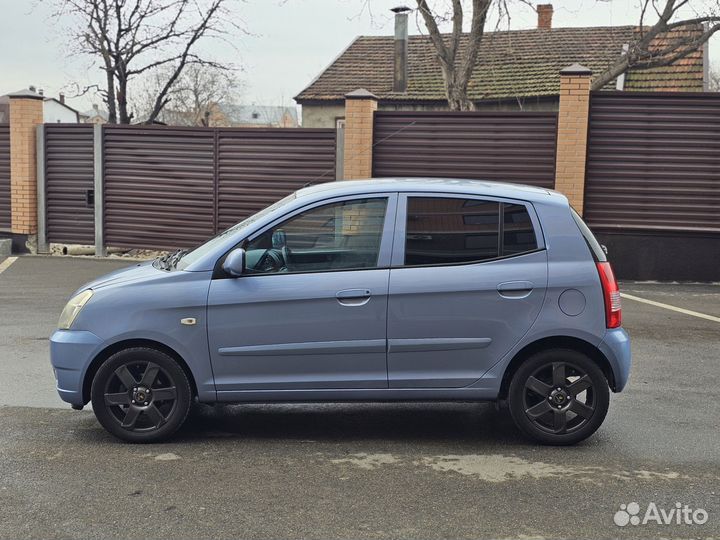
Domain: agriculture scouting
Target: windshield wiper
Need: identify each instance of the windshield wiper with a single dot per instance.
(160, 261)
(169, 260)
(175, 257)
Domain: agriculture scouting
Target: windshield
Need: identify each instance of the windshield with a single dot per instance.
(200, 251)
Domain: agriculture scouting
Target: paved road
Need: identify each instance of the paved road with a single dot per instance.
(354, 470)
(33, 291)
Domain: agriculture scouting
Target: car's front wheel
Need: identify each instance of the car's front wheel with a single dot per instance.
(141, 395)
(558, 396)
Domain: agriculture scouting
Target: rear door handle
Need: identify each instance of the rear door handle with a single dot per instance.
(515, 289)
(353, 297)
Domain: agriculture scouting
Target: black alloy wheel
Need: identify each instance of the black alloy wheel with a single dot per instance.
(559, 396)
(141, 395)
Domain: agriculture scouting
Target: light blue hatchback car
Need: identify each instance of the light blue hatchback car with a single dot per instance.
(392, 289)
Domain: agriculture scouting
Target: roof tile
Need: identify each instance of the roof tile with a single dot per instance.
(519, 63)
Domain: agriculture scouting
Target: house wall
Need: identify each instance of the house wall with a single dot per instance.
(325, 116)
(321, 116)
(54, 112)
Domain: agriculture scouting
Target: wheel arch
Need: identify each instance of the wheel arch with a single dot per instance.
(557, 342)
(110, 350)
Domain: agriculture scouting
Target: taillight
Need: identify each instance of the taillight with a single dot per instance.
(611, 294)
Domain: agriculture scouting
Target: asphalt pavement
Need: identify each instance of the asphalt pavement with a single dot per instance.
(420, 470)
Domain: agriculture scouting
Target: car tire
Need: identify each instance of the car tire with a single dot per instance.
(558, 397)
(141, 395)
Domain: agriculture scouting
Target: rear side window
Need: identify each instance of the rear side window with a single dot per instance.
(597, 250)
(455, 231)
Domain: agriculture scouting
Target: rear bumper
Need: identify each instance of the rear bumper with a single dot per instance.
(71, 352)
(616, 348)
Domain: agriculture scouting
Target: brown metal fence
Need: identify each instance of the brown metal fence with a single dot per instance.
(159, 186)
(503, 146)
(168, 187)
(654, 162)
(69, 183)
(259, 166)
(5, 216)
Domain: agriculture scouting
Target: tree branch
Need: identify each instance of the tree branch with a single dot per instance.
(646, 52)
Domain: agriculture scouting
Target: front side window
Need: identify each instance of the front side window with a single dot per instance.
(339, 236)
(454, 230)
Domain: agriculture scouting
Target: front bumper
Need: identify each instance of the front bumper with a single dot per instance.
(616, 348)
(71, 352)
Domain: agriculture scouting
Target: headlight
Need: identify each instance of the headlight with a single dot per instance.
(72, 309)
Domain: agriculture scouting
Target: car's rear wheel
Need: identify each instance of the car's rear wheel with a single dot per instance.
(141, 395)
(558, 396)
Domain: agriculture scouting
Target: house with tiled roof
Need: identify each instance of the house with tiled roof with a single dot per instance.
(515, 69)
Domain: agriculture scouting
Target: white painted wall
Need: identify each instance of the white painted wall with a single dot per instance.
(54, 112)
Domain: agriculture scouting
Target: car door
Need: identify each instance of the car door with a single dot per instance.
(310, 310)
(468, 279)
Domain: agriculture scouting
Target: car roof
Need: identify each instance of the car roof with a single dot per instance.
(433, 185)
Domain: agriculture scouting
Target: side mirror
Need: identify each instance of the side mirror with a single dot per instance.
(235, 262)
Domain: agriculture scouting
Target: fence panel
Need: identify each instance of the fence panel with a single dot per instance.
(168, 187)
(69, 183)
(503, 146)
(257, 167)
(5, 209)
(654, 162)
(159, 186)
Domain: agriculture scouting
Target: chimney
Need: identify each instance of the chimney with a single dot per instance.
(41, 92)
(545, 13)
(62, 98)
(400, 67)
(31, 88)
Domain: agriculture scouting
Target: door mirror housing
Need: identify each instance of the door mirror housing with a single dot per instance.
(235, 262)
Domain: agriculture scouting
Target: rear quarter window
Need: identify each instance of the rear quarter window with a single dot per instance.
(518, 232)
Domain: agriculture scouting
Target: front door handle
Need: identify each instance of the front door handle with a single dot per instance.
(515, 289)
(353, 297)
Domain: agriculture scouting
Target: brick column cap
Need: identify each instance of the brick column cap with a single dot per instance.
(25, 93)
(576, 69)
(361, 93)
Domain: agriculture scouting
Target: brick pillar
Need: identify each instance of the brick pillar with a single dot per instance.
(359, 108)
(26, 113)
(572, 133)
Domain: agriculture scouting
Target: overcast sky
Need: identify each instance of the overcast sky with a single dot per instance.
(289, 41)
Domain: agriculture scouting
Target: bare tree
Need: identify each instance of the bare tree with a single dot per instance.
(715, 79)
(135, 38)
(456, 65)
(653, 47)
(196, 99)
